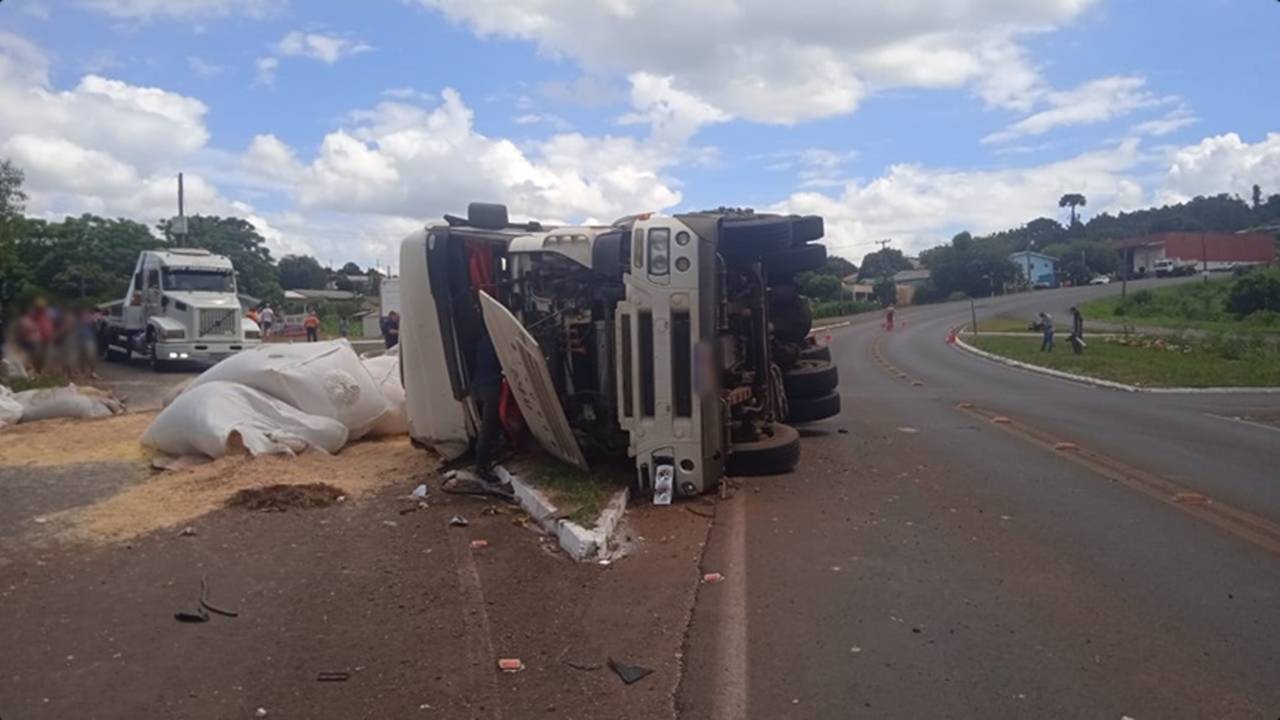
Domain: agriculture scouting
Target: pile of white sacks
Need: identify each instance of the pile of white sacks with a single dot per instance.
(283, 398)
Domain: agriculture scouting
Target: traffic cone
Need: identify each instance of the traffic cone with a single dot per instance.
(951, 336)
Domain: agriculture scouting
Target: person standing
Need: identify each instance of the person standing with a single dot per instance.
(343, 328)
(1077, 331)
(312, 326)
(888, 318)
(487, 382)
(1046, 326)
(267, 318)
(391, 329)
(86, 340)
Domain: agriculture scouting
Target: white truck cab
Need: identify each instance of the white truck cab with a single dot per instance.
(667, 339)
(181, 305)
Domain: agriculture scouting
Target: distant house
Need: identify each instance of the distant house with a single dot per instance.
(301, 295)
(860, 290)
(1040, 270)
(908, 282)
(1214, 250)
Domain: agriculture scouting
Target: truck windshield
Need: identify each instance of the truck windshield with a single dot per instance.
(199, 280)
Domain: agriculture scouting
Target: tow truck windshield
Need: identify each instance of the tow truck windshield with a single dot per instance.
(199, 280)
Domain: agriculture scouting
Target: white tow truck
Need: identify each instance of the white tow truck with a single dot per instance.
(677, 341)
(181, 305)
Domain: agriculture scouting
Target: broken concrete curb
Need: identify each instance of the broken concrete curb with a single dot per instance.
(578, 542)
(1108, 384)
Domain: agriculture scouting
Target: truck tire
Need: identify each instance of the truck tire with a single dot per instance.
(806, 228)
(788, 262)
(816, 352)
(790, 314)
(749, 237)
(776, 452)
(805, 410)
(810, 379)
(153, 358)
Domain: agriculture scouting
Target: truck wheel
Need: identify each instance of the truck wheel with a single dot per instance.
(785, 263)
(153, 358)
(804, 410)
(816, 352)
(747, 238)
(776, 452)
(806, 228)
(810, 379)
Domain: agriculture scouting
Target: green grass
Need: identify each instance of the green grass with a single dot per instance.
(1148, 362)
(36, 382)
(1193, 305)
(582, 493)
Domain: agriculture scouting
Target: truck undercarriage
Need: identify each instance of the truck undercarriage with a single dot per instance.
(680, 341)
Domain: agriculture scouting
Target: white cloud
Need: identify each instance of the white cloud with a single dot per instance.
(202, 67)
(1171, 121)
(673, 115)
(919, 206)
(183, 9)
(326, 48)
(402, 160)
(266, 70)
(1223, 163)
(1093, 102)
(813, 167)
(785, 64)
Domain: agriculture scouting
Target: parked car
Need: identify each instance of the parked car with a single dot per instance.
(1100, 280)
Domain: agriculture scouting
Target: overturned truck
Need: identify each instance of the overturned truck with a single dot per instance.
(678, 341)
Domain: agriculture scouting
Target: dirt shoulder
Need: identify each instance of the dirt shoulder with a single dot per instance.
(372, 586)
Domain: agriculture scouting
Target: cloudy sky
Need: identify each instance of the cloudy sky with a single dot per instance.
(339, 127)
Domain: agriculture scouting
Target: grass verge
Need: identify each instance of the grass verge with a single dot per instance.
(582, 494)
(1193, 305)
(1147, 362)
(1004, 323)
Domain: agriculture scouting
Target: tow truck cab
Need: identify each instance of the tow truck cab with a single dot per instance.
(636, 338)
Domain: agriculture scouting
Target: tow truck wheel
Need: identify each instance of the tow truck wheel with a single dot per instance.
(806, 228)
(777, 451)
(153, 357)
(806, 410)
(810, 378)
(788, 262)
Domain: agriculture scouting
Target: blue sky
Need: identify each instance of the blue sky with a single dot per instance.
(339, 127)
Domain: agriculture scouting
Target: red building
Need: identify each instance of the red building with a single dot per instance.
(1221, 250)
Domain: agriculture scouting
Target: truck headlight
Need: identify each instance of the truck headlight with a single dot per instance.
(175, 334)
(659, 251)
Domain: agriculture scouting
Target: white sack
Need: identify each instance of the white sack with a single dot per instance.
(202, 421)
(320, 378)
(385, 370)
(67, 402)
(10, 408)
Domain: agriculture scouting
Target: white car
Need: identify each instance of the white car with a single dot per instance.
(1100, 280)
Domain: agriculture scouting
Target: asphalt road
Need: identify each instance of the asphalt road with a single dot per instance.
(926, 561)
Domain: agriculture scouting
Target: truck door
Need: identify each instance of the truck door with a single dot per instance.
(132, 314)
(151, 295)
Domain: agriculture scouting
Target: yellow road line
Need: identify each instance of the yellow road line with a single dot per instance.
(1240, 523)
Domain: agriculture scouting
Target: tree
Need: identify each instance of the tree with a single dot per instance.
(838, 266)
(351, 269)
(886, 291)
(1257, 196)
(88, 258)
(301, 272)
(1073, 201)
(1081, 260)
(883, 263)
(240, 242)
(12, 201)
(819, 286)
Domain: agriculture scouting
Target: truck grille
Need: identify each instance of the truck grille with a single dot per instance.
(218, 323)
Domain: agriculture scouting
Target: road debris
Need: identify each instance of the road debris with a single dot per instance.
(204, 601)
(458, 521)
(479, 544)
(419, 492)
(197, 616)
(260, 712)
(281, 497)
(510, 665)
(187, 532)
(1066, 447)
(908, 430)
(1000, 420)
(333, 676)
(630, 674)
(842, 431)
(712, 577)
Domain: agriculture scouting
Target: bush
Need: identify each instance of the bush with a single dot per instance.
(1263, 318)
(957, 295)
(1253, 292)
(1142, 297)
(843, 307)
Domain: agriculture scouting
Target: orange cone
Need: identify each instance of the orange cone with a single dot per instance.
(951, 336)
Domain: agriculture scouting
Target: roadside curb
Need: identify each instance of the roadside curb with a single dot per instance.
(1108, 384)
(578, 542)
(833, 326)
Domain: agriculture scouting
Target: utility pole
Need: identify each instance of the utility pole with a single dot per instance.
(1124, 273)
(178, 226)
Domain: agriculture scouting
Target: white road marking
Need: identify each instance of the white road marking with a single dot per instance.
(1242, 421)
(729, 699)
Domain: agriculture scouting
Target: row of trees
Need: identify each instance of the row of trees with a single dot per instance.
(979, 266)
(89, 258)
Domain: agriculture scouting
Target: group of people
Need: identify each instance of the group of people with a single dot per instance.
(265, 317)
(1077, 331)
(49, 340)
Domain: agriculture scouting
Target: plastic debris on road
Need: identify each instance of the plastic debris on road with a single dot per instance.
(479, 544)
(908, 430)
(419, 492)
(629, 673)
(458, 521)
(510, 665)
(713, 577)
